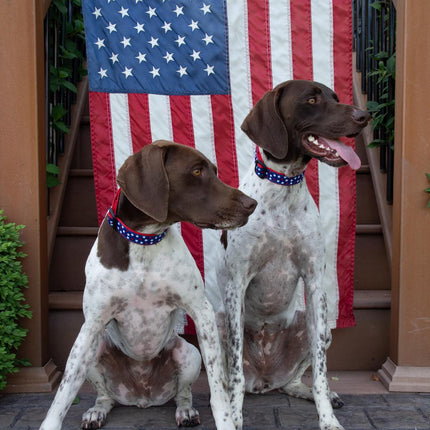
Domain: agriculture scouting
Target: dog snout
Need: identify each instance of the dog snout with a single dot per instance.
(360, 116)
(248, 203)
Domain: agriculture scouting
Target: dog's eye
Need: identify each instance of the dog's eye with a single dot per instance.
(312, 100)
(197, 171)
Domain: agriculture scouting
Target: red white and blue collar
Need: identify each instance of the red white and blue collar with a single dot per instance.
(128, 233)
(265, 172)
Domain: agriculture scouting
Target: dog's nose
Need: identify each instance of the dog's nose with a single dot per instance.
(360, 116)
(248, 203)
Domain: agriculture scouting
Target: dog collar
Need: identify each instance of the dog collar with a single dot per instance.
(128, 233)
(264, 172)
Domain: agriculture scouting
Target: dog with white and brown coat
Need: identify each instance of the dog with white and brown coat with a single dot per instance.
(272, 336)
(139, 275)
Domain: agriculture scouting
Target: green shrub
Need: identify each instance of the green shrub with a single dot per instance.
(12, 308)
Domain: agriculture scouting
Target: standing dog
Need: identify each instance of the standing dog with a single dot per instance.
(272, 337)
(139, 274)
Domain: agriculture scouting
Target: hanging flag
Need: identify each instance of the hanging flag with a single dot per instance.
(190, 71)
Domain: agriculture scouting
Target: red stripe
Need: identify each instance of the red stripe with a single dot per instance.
(182, 124)
(301, 39)
(224, 139)
(342, 43)
(102, 150)
(259, 48)
(140, 123)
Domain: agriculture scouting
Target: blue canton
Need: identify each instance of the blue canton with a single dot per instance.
(157, 46)
(264, 172)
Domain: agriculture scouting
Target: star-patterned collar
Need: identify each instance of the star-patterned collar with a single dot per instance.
(263, 172)
(128, 233)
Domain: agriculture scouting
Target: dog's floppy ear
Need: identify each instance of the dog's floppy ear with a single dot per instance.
(265, 126)
(143, 179)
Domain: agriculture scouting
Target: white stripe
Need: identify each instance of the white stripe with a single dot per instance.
(240, 79)
(160, 117)
(280, 41)
(121, 132)
(204, 141)
(323, 71)
(201, 111)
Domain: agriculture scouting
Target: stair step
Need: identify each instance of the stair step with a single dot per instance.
(87, 173)
(77, 231)
(368, 229)
(364, 169)
(363, 299)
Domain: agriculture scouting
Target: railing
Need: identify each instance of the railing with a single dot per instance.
(65, 96)
(64, 58)
(374, 27)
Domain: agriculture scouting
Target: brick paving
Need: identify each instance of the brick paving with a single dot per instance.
(266, 412)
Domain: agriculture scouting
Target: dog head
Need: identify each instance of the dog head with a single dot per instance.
(305, 119)
(170, 182)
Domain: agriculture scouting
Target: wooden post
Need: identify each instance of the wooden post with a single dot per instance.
(408, 367)
(23, 173)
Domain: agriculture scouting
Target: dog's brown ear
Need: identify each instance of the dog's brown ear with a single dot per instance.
(265, 126)
(143, 179)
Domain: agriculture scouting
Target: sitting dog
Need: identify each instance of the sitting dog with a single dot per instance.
(138, 275)
(272, 338)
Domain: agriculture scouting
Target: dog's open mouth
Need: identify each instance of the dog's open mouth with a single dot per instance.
(331, 151)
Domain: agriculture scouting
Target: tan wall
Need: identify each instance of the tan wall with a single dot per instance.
(410, 343)
(22, 160)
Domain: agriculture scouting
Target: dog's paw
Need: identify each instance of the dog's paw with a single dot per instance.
(94, 418)
(187, 417)
(336, 401)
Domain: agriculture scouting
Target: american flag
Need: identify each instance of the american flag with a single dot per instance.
(190, 71)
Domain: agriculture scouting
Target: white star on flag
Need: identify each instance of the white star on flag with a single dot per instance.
(151, 12)
(127, 72)
(114, 58)
(209, 70)
(103, 73)
(194, 25)
(208, 39)
(206, 8)
(139, 27)
(168, 57)
(154, 72)
(100, 43)
(195, 55)
(97, 12)
(153, 42)
(167, 26)
(179, 10)
(182, 71)
(180, 40)
(126, 42)
(141, 57)
(111, 27)
(123, 12)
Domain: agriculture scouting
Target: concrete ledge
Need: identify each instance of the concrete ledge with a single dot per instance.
(34, 379)
(404, 378)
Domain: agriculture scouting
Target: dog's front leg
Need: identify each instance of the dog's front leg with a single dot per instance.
(234, 311)
(207, 333)
(83, 352)
(316, 315)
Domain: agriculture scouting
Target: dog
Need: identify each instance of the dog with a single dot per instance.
(272, 338)
(139, 274)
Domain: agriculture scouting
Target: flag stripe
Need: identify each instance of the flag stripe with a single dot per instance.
(224, 139)
(342, 42)
(140, 124)
(259, 48)
(280, 41)
(102, 151)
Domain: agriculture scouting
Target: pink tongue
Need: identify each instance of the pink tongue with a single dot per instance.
(345, 151)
